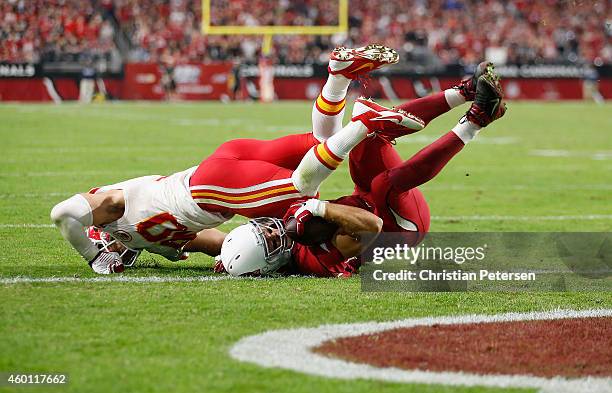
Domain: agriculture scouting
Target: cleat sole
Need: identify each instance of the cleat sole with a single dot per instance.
(374, 52)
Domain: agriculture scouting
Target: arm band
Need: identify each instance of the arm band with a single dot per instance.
(71, 217)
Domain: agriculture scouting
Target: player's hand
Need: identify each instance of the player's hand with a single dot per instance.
(107, 263)
(310, 208)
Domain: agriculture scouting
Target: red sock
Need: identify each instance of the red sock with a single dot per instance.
(426, 164)
(427, 108)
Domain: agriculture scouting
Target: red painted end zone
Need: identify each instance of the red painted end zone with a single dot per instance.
(578, 347)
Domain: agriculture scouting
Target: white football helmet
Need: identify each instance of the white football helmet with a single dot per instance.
(259, 247)
(104, 241)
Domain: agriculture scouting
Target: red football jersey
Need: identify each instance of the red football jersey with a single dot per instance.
(324, 260)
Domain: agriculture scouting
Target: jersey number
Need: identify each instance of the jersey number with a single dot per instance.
(164, 229)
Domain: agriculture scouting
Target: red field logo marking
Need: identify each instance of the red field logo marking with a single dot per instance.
(578, 347)
(557, 351)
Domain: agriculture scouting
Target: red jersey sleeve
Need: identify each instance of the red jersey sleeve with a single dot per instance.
(323, 260)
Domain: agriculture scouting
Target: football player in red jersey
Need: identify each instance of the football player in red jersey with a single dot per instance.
(385, 187)
(168, 215)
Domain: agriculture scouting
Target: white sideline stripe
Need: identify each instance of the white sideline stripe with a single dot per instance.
(35, 195)
(436, 218)
(148, 279)
(245, 189)
(526, 218)
(67, 173)
(597, 155)
(27, 226)
(291, 349)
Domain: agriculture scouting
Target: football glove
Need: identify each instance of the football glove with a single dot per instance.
(310, 208)
(107, 263)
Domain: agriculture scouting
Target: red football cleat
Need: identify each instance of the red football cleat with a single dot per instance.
(389, 123)
(352, 63)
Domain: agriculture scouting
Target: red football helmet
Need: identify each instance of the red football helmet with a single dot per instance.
(104, 241)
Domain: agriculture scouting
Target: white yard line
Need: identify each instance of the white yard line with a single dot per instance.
(124, 174)
(525, 218)
(594, 155)
(36, 226)
(435, 218)
(36, 195)
(13, 226)
(291, 349)
(116, 278)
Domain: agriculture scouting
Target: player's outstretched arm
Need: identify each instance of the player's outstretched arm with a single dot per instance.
(357, 228)
(76, 213)
(208, 241)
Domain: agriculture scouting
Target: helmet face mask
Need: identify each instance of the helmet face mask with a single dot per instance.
(105, 242)
(257, 248)
(271, 234)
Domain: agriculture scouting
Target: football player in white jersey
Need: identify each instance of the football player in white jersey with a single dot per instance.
(176, 214)
(153, 213)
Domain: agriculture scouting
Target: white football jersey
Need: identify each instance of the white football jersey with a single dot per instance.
(160, 214)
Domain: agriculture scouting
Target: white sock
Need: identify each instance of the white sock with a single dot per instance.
(466, 130)
(309, 175)
(324, 126)
(454, 98)
(320, 161)
(343, 141)
(335, 88)
(328, 110)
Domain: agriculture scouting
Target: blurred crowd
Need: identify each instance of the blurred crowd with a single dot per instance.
(432, 32)
(54, 30)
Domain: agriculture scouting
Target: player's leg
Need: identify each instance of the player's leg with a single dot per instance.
(393, 192)
(427, 163)
(285, 152)
(250, 188)
(345, 65)
(428, 108)
(324, 158)
(434, 105)
(370, 158)
(229, 183)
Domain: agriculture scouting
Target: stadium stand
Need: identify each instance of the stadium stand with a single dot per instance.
(55, 30)
(432, 32)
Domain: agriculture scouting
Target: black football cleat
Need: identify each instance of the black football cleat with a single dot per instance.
(467, 87)
(488, 104)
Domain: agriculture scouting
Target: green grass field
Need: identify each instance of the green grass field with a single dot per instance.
(545, 167)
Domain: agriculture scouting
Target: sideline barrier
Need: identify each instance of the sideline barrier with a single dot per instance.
(144, 81)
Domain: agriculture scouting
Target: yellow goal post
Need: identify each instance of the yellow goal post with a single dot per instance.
(269, 31)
